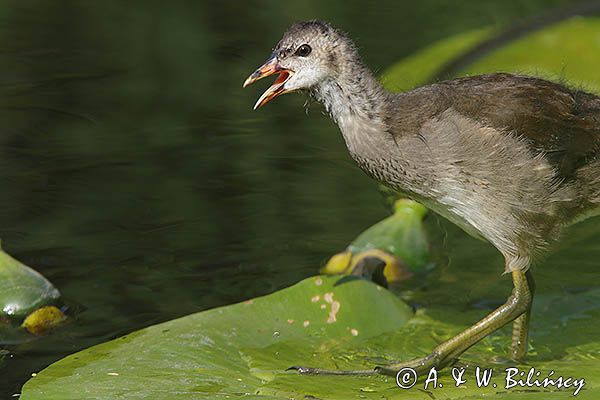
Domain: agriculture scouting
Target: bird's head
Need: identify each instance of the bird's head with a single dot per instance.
(307, 55)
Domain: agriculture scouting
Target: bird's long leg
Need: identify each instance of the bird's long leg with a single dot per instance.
(517, 304)
(520, 330)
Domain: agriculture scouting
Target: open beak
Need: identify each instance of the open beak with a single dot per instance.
(270, 67)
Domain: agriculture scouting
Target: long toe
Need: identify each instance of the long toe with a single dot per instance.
(322, 371)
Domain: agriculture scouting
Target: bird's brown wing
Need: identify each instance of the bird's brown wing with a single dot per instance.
(561, 123)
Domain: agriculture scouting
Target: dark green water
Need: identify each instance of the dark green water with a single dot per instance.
(135, 175)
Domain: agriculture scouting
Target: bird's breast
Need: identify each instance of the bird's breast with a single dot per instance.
(482, 179)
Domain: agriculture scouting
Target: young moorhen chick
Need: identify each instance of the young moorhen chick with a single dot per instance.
(510, 159)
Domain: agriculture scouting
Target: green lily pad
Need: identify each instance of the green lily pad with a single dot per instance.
(401, 234)
(244, 349)
(27, 302)
(400, 241)
(569, 51)
(232, 350)
(414, 70)
(22, 289)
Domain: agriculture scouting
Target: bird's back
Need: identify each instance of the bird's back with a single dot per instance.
(561, 123)
(556, 122)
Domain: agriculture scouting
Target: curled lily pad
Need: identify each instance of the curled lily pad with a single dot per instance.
(399, 243)
(22, 289)
(25, 295)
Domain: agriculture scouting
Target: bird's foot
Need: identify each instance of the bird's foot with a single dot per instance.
(416, 366)
(322, 371)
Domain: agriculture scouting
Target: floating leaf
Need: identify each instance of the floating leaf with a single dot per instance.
(401, 234)
(22, 289)
(223, 350)
(23, 293)
(567, 51)
(420, 67)
(399, 241)
(244, 349)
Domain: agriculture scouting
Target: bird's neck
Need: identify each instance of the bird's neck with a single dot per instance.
(357, 103)
(355, 94)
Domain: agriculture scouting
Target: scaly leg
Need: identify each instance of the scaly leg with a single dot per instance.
(446, 353)
(520, 331)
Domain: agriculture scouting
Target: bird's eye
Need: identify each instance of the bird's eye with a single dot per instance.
(303, 50)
